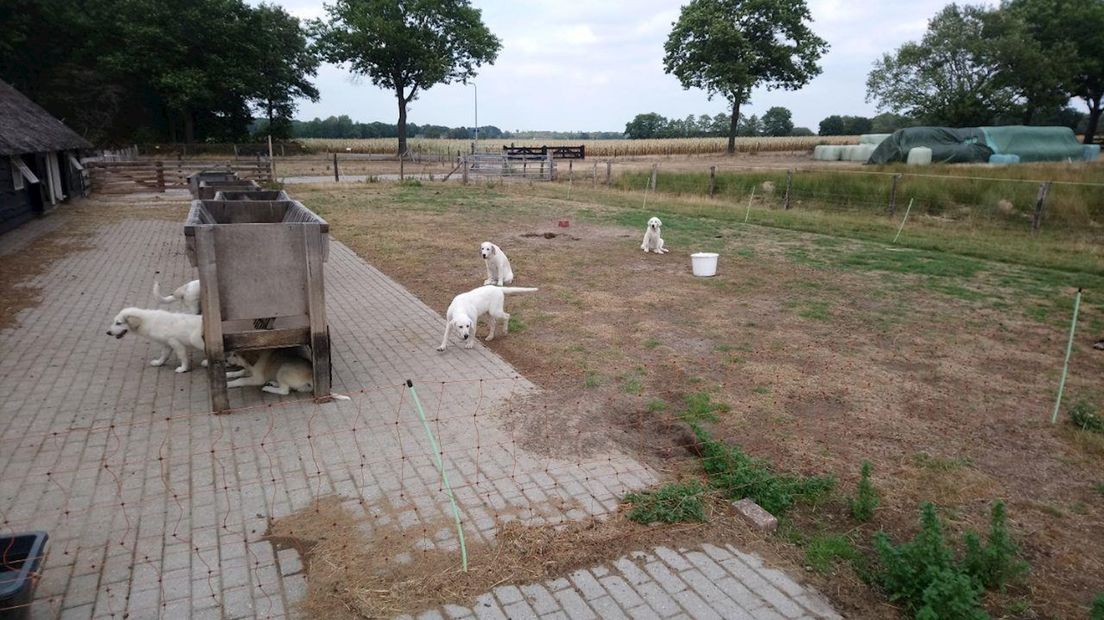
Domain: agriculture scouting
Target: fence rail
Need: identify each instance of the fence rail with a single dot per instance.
(543, 152)
(128, 177)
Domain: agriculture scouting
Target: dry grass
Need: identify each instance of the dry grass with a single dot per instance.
(830, 351)
(351, 574)
(594, 148)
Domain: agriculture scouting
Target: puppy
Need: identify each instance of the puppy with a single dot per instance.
(466, 308)
(652, 241)
(174, 331)
(283, 368)
(498, 266)
(187, 294)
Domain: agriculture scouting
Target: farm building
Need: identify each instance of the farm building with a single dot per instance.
(38, 159)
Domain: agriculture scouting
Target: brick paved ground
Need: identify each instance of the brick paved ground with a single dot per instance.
(156, 508)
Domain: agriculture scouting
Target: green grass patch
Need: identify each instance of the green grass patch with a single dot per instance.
(739, 475)
(656, 405)
(935, 463)
(815, 311)
(593, 379)
(1085, 417)
(651, 343)
(671, 503)
(516, 325)
(700, 407)
(633, 382)
(761, 389)
(823, 551)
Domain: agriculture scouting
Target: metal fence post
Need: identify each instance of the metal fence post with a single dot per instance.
(789, 189)
(1040, 201)
(893, 195)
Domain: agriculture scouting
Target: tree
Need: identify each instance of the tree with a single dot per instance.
(407, 46)
(953, 76)
(777, 121)
(750, 127)
(645, 126)
(286, 61)
(1070, 33)
(888, 122)
(832, 126)
(729, 47)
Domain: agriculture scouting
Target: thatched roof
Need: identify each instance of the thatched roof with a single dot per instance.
(27, 128)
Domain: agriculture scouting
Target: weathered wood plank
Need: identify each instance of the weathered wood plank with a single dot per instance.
(212, 319)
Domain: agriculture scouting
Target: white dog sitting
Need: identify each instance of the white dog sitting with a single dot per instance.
(498, 266)
(174, 331)
(652, 241)
(466, 308)
(187, 294)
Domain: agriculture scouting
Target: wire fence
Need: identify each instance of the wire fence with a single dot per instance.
(147, 510)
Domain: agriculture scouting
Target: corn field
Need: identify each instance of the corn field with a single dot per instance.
(594, 148)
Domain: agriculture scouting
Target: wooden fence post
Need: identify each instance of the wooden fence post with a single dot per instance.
(609, 172)
(893, 195)
(594, 175)
(160, 176)
(464, 175)
(402, 174)
(1040, 201)
(789, 189)
(337, 177)
(712, 180)
(571, 171)
(652, 181)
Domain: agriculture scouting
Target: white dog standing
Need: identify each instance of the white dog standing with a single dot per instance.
(652, 241)
(498, 266)
(466, 308)
(187, 294)
(176, 332)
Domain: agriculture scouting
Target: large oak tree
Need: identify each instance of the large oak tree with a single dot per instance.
(729, 47)
(407, 46)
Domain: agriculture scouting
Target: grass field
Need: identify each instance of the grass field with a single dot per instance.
(594, 148)
(936, 360)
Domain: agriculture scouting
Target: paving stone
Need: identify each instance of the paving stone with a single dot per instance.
(586, 583)
(539, 598)
(574, 605)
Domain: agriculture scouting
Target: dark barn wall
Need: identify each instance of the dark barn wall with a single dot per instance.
(15, 208)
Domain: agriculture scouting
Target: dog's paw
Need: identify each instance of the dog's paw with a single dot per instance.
(157, 363)
(440, 348)
(488, 281)
(203, 363)
(489, 338)
(470, 345)
(182, 369)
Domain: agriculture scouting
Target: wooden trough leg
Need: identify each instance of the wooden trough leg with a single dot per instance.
(212, 320)
(316, 295)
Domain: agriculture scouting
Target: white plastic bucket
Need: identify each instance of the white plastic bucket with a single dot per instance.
(704, 264)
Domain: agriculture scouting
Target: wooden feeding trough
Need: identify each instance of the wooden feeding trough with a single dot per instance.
(208, 175)
(261, 285)
(256, 194)
(208, 189)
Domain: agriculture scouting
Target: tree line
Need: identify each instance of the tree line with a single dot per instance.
(343, 127)
(149, 70)
(777, 121)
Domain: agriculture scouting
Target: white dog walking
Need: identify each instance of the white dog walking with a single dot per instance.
(176, 332)
(498, 266)
(466, 308)
(186, 294)
(652, 241)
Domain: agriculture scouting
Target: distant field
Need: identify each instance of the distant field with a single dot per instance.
(594, 148)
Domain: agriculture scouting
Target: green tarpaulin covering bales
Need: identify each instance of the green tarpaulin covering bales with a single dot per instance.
(975, 144)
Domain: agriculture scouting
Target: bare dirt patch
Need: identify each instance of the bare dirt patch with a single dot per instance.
(825, 362)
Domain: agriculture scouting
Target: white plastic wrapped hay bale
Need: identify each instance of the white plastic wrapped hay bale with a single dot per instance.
(845, 152)
(920, 156)
(861, 153)
(873, 138)
(820, 152)
(832, 152)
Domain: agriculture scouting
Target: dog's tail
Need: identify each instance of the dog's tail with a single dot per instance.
(339, 397)
(161, 298)
(518, 289)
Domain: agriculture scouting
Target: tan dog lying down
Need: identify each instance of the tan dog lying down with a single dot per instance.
(277, 371)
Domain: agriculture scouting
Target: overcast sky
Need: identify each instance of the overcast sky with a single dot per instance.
(593, 65)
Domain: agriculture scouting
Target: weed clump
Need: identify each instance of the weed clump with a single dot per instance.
(925, 576)
(1084, 416)
(671, 503)
(867, 500)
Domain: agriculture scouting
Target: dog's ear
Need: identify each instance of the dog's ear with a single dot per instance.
(494, 250)
(133, 322)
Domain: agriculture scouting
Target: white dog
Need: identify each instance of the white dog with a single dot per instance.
(498, 266)
(283, 368)
(652, 241)
(187, 294)
(176, 332)
(466, 308)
